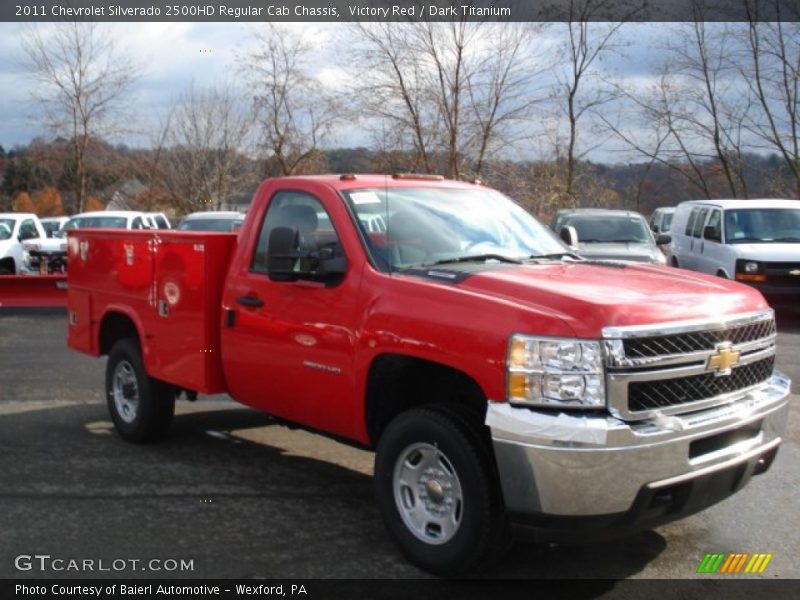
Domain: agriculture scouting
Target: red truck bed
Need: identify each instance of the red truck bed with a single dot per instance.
(169, 283)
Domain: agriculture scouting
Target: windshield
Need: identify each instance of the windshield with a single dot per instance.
(609, 229)
(210, 224)
(50, 227)
(762, 225)
(409, 227)
(6, 228)
(96, 222)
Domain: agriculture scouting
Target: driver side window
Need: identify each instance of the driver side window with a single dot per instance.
(303, 213)
(27, 231)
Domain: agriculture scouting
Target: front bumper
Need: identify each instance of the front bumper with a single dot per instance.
(558, 470)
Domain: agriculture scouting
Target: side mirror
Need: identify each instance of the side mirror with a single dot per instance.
(330, 264)
(653, 227)
(712, 233)
(285, 262)
(282, 254)
(662, 239)
(569, 235)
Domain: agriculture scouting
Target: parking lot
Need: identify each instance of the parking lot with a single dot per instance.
(236, 495)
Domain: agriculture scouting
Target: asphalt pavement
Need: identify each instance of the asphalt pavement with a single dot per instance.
(232, 494)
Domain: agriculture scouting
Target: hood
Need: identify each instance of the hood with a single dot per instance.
(589, 297)
(618, 251)
(769, 252)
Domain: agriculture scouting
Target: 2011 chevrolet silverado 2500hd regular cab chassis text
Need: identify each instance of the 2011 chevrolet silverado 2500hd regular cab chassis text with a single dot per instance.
(500, 379)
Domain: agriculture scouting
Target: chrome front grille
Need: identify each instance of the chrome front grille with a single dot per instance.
(686, 366)
(665, 393)
(695, 341)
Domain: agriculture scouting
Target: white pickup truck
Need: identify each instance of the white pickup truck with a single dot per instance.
(16, 228)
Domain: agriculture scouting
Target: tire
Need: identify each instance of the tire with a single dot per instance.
(439, 493)
(141, 407)
(7, 268)
(675, 263)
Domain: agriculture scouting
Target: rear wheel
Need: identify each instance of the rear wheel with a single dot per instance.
(438, 491)
(141, 406)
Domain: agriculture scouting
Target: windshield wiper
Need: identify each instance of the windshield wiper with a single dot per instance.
(787, 239)
(626, 242)
(554, 255)
(474, 258)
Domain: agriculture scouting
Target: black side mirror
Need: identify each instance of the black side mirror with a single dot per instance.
(653, 227)
(286, 262)
(569, 235)
(331, 265)
(662, 239)
(712, 233)
(282, 254)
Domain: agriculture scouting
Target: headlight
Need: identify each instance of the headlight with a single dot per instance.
(750, 267)
(750, 270)
(555, 373)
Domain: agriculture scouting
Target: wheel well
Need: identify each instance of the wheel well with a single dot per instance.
(8, 263)
(721, 273)
(397, 383)
(675, 262)
(116, 326)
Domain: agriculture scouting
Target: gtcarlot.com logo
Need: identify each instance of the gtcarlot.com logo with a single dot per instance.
(734, 563)
(46, 562)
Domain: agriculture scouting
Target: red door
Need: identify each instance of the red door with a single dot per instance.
(288, 347)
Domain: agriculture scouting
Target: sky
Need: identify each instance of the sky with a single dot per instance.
(174, 54)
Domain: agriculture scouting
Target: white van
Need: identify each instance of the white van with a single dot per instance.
(754, 241)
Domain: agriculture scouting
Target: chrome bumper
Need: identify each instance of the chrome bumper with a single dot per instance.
(577, 465)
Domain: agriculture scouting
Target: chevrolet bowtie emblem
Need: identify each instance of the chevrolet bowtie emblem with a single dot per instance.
(724, 359)
(794, 272)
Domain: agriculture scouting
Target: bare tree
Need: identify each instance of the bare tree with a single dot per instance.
(653, 129)
(82, 85)
(454, 93)
(200, 159)
(772, 71)
(295, 111)
(695, 117)
(587, 42)
(714, 108)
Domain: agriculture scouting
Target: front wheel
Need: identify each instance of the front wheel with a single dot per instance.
(141, 406)
(438, 491)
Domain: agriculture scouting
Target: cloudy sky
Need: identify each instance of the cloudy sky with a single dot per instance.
(174, 54)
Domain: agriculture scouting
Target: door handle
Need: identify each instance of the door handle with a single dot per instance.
(251, 301)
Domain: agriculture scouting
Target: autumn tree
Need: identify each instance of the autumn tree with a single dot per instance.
(48, 202)
(23, 203)
(93, 203)
(82, 83)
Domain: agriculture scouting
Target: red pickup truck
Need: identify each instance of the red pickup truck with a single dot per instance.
(500, 379)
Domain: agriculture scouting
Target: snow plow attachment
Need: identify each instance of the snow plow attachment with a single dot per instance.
(18, 291)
